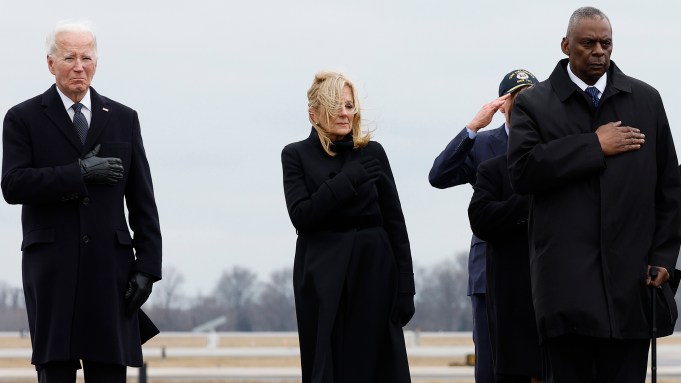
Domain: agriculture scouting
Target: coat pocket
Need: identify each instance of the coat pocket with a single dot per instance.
(123, 237)
(37, 236)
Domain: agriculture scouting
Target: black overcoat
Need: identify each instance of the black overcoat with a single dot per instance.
(352, 257)
(596, 222)
(499, 216)
(78, 253)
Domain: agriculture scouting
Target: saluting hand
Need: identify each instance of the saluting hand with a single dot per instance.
(486, 113)
(616, 139)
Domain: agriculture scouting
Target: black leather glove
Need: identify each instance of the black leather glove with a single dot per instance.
(365, 169)
(139, 289)
(405, 307)
(97, 170)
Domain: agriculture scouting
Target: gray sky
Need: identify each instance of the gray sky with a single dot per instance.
(220, 87)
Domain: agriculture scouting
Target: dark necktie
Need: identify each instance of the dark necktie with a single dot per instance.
(79, 121)
(593, 92)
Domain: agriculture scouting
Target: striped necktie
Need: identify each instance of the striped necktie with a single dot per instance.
(593, 92)
(80, 122)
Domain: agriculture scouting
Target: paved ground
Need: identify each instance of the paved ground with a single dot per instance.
(273, 357)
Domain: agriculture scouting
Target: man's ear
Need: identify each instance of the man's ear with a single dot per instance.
(564, 46)
(50, 64)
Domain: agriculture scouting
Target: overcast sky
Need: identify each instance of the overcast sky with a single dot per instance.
(220, 87)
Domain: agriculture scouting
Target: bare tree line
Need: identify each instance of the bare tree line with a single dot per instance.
(242, 302)
(249, 304)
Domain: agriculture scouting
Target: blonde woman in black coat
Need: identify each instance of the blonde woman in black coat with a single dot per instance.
(353, 277)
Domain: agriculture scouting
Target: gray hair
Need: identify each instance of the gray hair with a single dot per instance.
(69, 26)
(584, 13)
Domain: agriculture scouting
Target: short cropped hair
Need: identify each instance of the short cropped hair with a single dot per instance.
(585, 13)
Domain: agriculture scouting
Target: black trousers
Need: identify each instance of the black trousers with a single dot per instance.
(93, 372)
(582, 359)
(484, 366)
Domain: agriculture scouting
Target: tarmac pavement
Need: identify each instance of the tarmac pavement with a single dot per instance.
(668, 359)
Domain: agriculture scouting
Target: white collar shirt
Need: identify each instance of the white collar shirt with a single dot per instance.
(600, 84)
(86, 101)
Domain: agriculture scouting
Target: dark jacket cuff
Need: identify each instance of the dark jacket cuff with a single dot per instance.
(405, 283)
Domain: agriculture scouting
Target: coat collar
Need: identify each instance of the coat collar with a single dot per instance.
(53, 107)
(564, 87)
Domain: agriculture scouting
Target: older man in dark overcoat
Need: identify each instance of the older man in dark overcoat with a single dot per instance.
(594, 148)
(74, 160)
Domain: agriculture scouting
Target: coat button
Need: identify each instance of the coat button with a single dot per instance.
(86, 201)
(86, 239)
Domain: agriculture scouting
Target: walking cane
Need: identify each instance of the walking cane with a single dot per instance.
(653, 326)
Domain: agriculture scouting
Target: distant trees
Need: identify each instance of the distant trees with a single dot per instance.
(12, 308)
(253, 305)
(441, 300)
(236, 294)
(276, 305)
(249, 304)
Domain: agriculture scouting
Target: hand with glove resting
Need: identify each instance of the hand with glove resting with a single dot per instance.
(366, 169)
(139, 289)
(98, 170)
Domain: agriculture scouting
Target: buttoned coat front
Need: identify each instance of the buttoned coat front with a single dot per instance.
(352, 258)
(596, 222)
(78, 253)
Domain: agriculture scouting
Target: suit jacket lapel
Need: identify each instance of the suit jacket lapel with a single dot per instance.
(100, 118)
(54, 110)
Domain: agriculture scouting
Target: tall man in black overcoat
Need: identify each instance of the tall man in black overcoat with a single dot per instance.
(71, 157)
(601, 168)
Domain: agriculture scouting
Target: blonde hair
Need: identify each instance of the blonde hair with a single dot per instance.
(325, 98)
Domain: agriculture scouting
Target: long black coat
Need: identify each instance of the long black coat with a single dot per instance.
(499, 216)
(596, 222)
(78, 253)
(352, 258)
